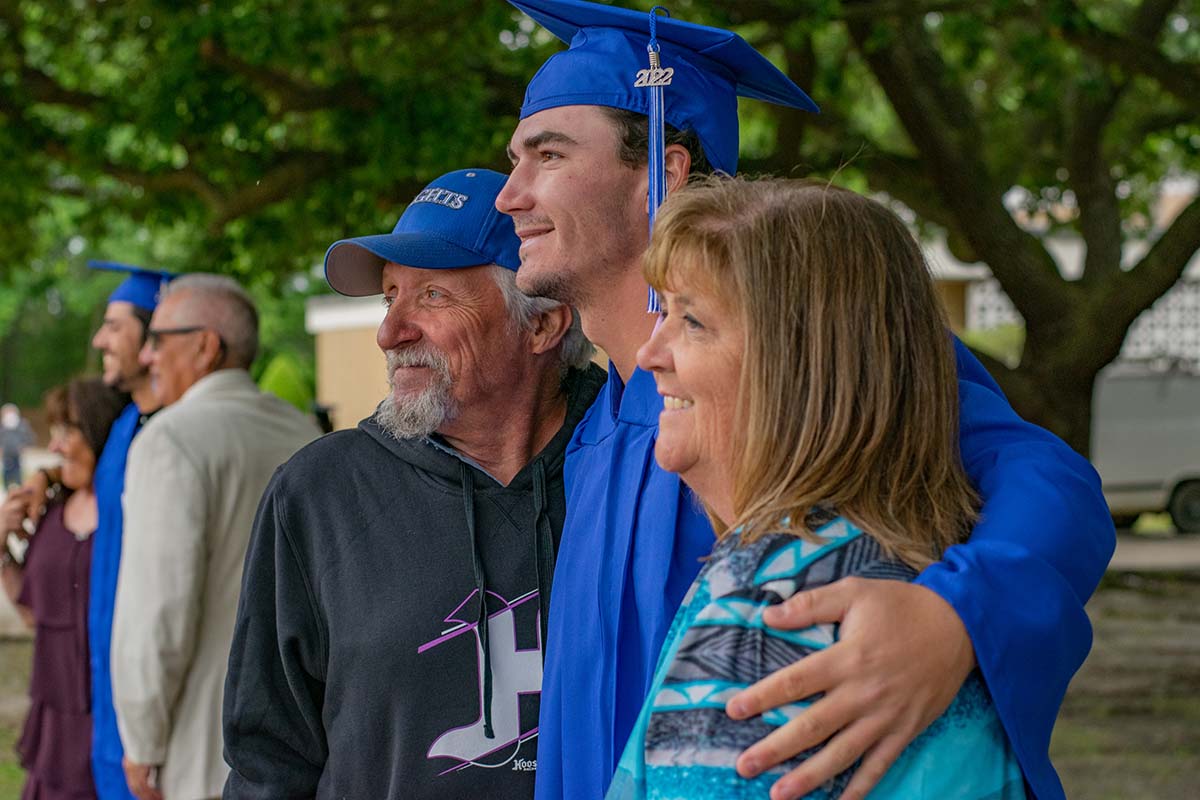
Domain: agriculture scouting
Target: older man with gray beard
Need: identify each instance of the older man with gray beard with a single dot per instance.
(389, 639)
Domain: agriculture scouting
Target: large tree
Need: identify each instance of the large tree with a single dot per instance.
(248, 135)
(1001, 122)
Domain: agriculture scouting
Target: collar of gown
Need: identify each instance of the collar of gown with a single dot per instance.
(636, 402)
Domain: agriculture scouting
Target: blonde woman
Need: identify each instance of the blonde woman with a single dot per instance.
(810, 402)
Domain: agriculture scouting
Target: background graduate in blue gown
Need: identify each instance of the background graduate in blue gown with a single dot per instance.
(1010, 600)
(119, 339)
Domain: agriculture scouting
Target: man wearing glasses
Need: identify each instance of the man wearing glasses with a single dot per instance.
(195, 476)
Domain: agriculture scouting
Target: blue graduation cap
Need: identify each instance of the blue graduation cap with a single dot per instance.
(676, 72)
(452, 223)
(141, 288)
(702, 70)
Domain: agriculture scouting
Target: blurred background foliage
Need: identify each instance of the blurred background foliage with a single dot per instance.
(244, 137)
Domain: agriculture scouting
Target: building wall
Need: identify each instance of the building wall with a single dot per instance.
(351, 374)
(351, 371)
(954, 300)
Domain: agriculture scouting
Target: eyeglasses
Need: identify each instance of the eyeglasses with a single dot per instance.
(154, 335)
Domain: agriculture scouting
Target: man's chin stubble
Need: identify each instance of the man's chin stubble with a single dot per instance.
(554, 285)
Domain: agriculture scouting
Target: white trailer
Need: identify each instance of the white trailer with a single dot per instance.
(1146, 440)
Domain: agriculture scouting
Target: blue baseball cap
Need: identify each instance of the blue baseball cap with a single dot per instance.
(142, 288)
(702, 71)
(452, 223)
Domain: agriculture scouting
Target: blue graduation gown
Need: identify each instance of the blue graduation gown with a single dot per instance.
(634, 536)
(106, 559)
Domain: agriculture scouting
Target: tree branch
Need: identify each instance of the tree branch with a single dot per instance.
(180, 180)
(943, 127)
(44, 89)
(39, 86)
(783, 11)
(1137, 51)
(1105, 314)
(290, 173)
(1134, 291)
(904, 179)
(1091, 173)
(291, 93)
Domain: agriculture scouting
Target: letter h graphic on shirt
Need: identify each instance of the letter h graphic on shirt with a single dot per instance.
(515, 672)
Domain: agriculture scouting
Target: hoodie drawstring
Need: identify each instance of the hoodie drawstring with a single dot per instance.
(468, 487)
(543, 559)
(543, 547)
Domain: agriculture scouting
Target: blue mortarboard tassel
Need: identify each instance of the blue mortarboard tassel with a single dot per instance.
(655, 79)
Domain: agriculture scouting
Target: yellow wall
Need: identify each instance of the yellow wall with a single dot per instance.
(351, 374)
(954, 299)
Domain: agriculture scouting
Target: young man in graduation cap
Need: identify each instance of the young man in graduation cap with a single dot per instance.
(1010, 600)
(119, 339)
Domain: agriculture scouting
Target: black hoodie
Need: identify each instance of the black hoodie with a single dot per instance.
(357, 669)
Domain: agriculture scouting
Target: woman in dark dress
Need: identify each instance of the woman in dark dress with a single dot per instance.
(50, 588)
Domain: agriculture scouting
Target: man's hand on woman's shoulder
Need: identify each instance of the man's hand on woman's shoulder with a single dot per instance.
(902, 656)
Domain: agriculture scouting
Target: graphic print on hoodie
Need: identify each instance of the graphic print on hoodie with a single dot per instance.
(516, 668)
(358, 667)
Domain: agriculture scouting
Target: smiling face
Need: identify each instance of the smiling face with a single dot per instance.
(78, 461)
(175, 350)
(450, 347)
(579, 210)
(119, 339)
(695, 354)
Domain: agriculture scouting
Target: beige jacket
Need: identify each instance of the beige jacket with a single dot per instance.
(192, 486)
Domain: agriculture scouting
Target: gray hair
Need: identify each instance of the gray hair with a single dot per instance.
(220, 303)
(575, 350)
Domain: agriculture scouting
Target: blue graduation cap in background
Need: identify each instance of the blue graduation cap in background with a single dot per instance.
(676, 72)
(141, 288)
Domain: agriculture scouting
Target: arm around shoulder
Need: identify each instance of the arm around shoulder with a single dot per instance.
(1020, 583)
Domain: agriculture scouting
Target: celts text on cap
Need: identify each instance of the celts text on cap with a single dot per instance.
(443, 197)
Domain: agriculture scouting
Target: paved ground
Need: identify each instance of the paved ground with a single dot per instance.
(1166, 552)
(1130, 726)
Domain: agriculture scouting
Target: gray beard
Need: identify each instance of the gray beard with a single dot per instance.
(413, 416)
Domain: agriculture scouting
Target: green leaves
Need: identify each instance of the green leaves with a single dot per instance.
(246, 136)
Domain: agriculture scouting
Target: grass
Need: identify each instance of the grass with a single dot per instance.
(1153, 524)
(15, 657)
(11, 776)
